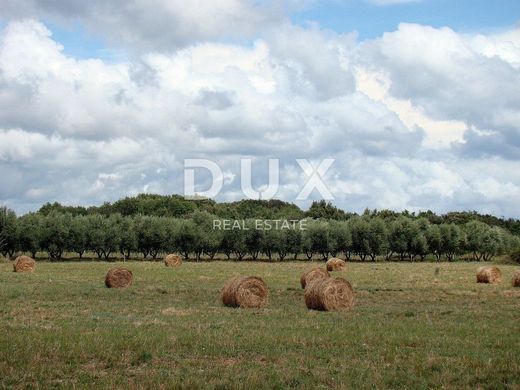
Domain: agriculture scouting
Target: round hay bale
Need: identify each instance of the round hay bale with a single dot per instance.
(335, 264)
(489, 275)
(329, 294)
(24, 264)
(313, 274)
(173, 260)
(119, 278)
(244, 291)
(516, 279)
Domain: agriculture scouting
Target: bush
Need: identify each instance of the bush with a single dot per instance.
(515, 256)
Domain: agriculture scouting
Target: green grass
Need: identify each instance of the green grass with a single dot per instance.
(60, 327)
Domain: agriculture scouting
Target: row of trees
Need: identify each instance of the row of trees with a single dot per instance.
(363, 237)
(176, 206)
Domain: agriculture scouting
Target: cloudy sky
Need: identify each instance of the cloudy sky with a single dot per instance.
(417, 101)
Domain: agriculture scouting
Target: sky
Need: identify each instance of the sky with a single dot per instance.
(417, 102)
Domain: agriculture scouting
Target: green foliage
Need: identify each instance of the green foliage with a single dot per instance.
(127, 236)
(317, 238)
(515, 255)
(377, 238)
(56, 234)
(78, 239)
(8, 231)
(29, 233)
(340, 237)
(452, 240)
(325, 210)
(152, 237)
(153, 224)
(360, 229)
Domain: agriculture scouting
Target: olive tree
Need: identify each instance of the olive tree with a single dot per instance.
(377, 238)
(317, 240)
(360, 229)
(294, 241)
(29, 233)
(434, 240)
(340, 238)
(7, 232)
(452, 240)
(151, 236)
(78, 235)
(127, 237)
(56, 234)
(402, 233)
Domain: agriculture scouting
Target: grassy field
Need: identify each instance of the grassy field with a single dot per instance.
(60, 327)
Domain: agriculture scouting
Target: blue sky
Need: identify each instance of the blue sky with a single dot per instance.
(368, 18)
(79, 42)
(371, 20)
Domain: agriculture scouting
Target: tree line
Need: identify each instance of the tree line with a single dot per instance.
(176, 206)
(366, 237)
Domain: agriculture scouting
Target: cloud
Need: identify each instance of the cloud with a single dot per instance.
(146, 25)
(466, 78)
(403, 116)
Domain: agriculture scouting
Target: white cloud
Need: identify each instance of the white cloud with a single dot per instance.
(155, 24)
(419, 118)
(460, 78)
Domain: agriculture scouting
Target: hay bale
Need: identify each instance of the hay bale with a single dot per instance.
(335, 264)
(516, 279)
(489, 275)
(244, 291)
(329, 294)
(118, 278)
(24, 264)
(173, 260)
(313, 274)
